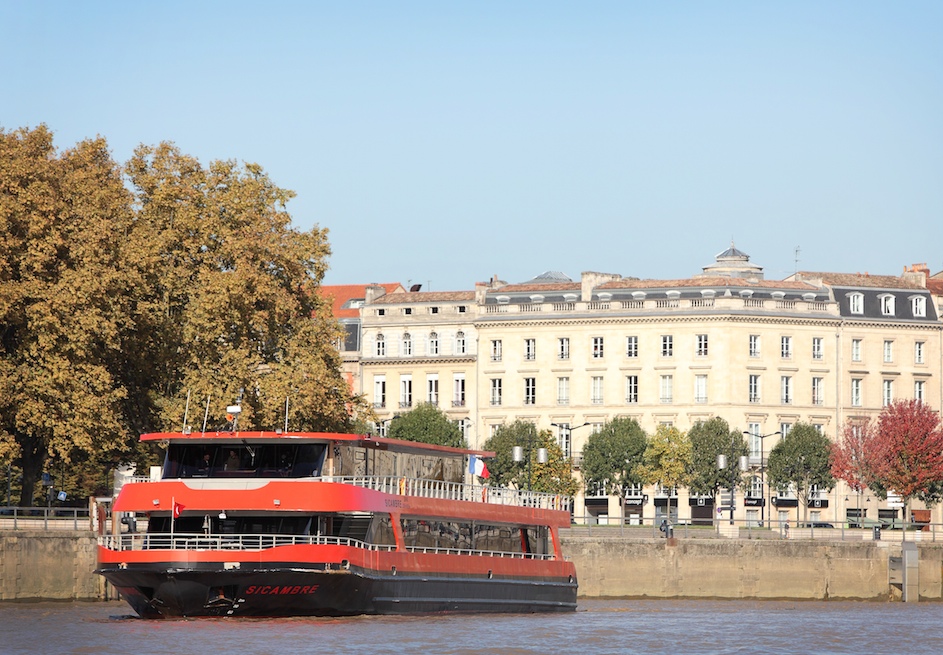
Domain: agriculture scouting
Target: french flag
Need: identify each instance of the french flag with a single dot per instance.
(477, 467)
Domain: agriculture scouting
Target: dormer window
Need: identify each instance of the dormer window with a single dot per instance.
(569, 297)
(856, 303)
(503, 300)
(746, 293)
(673, 295)
(808, 297)
(708, 293)
(605, 297)
(918, 305)
(638, 295)
(536, 299)
(887, 304)
(778, 295)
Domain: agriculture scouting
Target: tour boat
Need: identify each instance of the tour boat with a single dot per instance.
(266, 524)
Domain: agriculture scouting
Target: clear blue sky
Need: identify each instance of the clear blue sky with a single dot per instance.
(445, 142)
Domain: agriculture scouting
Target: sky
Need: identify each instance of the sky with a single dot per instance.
(443, 143)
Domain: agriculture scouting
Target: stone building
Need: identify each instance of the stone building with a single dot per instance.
(568, 355)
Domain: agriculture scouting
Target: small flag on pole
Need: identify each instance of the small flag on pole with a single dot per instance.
(178, 508)
(477, 467)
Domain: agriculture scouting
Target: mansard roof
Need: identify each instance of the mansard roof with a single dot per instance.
(861, 280)
(424, 297)
(708, 282)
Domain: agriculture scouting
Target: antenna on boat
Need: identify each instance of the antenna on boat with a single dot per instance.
(207, 412)
(186, 412)
(286, 413)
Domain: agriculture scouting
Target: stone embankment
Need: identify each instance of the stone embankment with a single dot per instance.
(60, 565)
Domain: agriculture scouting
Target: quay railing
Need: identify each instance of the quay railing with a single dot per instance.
(45, 518)
(258, 542)
(723, 528)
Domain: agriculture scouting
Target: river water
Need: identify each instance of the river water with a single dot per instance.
(655, 627)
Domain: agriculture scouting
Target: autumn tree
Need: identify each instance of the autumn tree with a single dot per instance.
(906, 452)
(708, 440)
(612, 457)
(227, 307)
(667, 460)
(851, 456)
(801, 461)
(64, 305)
(428, 424)
(554, 476)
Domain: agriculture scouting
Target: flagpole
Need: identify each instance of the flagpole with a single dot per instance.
(173, 505)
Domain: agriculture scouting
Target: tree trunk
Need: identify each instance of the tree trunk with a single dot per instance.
(31, 461)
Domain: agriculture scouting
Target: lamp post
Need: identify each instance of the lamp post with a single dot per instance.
(763, 493)
(567, 429)
(721, 465)
(517, 454)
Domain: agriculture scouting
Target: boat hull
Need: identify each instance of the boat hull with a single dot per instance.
(164, 591)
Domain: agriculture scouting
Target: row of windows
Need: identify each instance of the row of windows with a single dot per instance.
(887, 392)
(433, 345)
(701, 347)
(888, 303)
(406, 390)
(408, 311)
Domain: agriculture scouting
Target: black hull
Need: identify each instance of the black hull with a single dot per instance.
(293, 591)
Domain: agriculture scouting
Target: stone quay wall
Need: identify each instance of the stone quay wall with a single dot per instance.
(614, 567)
(60, 566)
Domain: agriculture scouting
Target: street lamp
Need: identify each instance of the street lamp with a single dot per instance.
(763, 493)
(567, 429)
(517, 454)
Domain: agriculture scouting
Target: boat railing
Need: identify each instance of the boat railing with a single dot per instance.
(424, 488)
(255, 542)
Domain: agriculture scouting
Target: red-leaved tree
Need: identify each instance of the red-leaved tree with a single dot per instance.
(850, 456)
(905, 453)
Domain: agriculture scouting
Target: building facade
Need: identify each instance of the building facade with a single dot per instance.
(570, 355)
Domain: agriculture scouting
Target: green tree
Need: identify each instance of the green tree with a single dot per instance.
(426, 423)
(612, 457)
(667, 460)
(554, 476)
(64, 306)
(801, 461)
(708, 440)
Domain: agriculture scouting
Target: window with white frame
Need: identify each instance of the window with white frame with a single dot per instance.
(755, 443)
(920, 390)
(495, 391)
(754, 345)
(887, 392)
(459, 343)
(631, 347)
(379, 391)
(432, 388)
(597, 348)
(700, 389)
(563, 437)
(785, 389)
(496, 349)
(563, 348)
(818, 351)
(753, 385)
(784, 429)
(918, 352)
(407, 344)
(785, 347)
(856, 303)
(818, 391)
(856, 392)
(408, 311)
(530, 391)
(405, 391)
(530, 349)
(433, 343)
(888, 351)
(596, 393)
(458, 390)
(631, 389)
(666, 388)
(919, 306)
(700, 345)
(887, 304)
(856, 350)
(563, 391)
(667, 345)
(380, 346)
